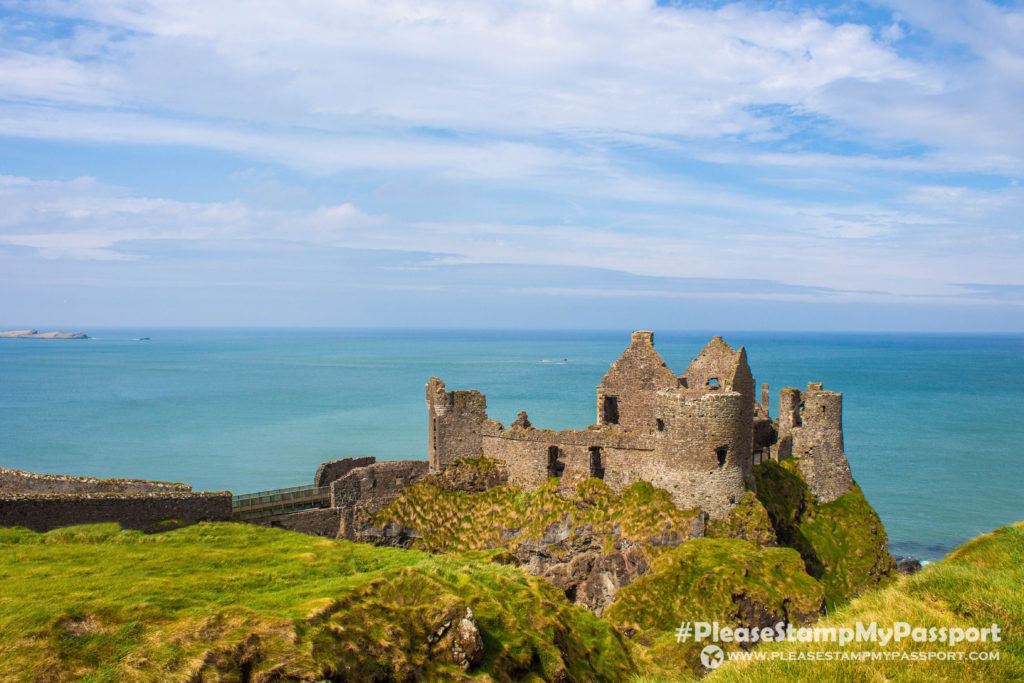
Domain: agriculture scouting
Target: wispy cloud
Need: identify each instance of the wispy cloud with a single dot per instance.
(720, 142)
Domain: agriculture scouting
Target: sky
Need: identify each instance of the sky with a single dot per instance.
(579, 164)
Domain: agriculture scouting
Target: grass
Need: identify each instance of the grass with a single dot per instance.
(457, 521)
(234, 602)
(976, 585)
(843, 543)
(730, 581)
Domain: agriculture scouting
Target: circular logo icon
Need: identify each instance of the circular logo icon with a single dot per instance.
(711, 657)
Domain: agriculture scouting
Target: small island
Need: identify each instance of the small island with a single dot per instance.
(36, 334)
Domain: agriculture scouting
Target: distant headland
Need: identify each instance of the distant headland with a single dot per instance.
(36, 334)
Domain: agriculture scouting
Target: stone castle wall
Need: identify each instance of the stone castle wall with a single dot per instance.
(325, 522)
(19, 481)
(626, 395)
(334, 470)
(143, 511)
(702, 456)
(454, 423)
(375, 486)
(533, 455)
(811, 430)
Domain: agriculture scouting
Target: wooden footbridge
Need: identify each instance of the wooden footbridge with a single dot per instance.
(247, 506)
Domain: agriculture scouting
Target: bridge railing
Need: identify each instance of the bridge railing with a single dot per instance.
(279, 501)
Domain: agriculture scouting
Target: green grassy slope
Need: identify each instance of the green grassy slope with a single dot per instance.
(976, 585)
(730, 581)
(843, 543)
(241, 602)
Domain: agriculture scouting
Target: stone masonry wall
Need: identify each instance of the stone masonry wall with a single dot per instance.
(142, 511)
(700, 456)
(532, 455)
(375, 486)
(719, 368)
(19, 481)
(625, 396)
(329, 472)
(325, 522)
(453, 424)
(817, 443)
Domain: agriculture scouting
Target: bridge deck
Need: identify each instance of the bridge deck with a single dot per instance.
(280, 501)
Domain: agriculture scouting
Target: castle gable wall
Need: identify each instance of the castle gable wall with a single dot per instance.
(625, 396)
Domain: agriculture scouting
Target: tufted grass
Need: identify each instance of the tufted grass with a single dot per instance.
(705, 580)
(843, 542)
(976, 585)
(226, 601)
(456, 521)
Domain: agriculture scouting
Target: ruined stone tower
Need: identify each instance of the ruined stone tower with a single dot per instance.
(453, 427)
(810, 429)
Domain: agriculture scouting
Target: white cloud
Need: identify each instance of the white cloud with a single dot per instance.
(916, 250)
(564, 67)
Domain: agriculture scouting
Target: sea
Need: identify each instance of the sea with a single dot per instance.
(934, 424)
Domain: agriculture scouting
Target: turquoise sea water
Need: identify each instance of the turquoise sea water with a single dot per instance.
(933, 424)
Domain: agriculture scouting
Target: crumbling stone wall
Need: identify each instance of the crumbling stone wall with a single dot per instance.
(144, 511)
(376, 486)
(811, 430)
(325, 522)
(625, 396)
(19, 481)
(329, 472)
(454, 423)
(532, 455)
(718, 368)
(366, 490)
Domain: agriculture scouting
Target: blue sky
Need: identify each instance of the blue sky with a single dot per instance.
(583, 164)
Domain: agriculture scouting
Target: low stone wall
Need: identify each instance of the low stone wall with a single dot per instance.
(148, 512)
(19, 481)
(326, 522)
(334, 470)
(376, 486)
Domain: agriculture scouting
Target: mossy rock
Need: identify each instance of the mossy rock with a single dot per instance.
(748, 521)
(731, 581)
(505, 516)
(843, 543)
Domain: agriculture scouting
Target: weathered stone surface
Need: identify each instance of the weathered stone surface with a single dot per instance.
(330, 472)
(469, 476)
(625, 397)
(325, 522)
(19, 481)
(810, 429)
(521, 421)
(144, 511)
(455, 637)
(376, 485)
(453, 424)
(588, 567)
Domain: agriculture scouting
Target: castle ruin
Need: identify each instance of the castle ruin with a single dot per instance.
(696, 435)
